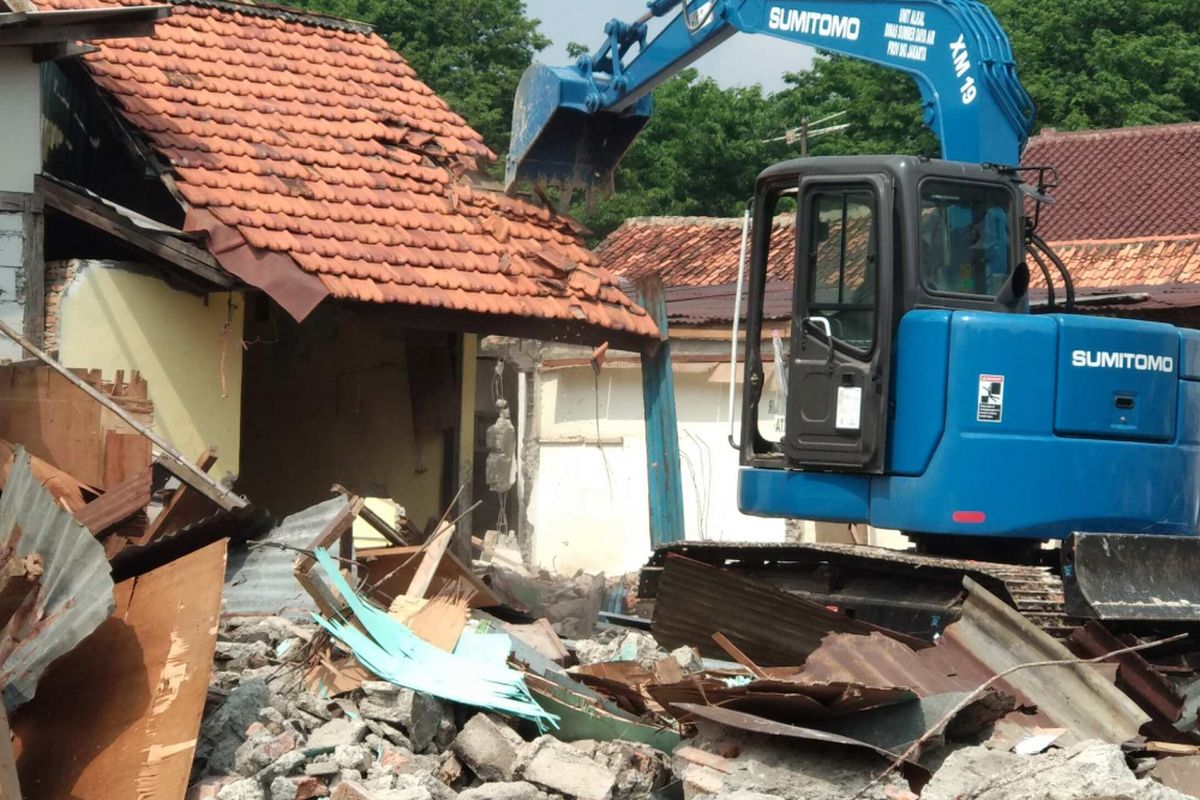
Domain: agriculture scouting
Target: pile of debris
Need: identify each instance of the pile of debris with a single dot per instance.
(302, 666)
(274, 732)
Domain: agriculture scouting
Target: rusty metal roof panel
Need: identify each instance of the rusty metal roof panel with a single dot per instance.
(1152, 692)
(1075, 696)
(75, 592)
(771, 626)
(259, 579)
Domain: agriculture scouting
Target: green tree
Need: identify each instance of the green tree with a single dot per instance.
(471, 52)
(1106, 63)
(699, 154)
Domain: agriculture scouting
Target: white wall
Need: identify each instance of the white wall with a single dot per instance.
(588, 507)
(20, 120)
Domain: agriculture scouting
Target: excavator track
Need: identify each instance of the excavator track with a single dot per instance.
(910, 592)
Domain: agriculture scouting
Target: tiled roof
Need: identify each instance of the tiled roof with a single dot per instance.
(1103, 266)
(689, 251)
(1121, 183)
(703, 252)
(305, 141)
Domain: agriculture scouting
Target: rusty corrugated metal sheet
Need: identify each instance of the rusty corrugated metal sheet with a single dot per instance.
(773, 627)
(260, 580)
(75, 594)
(1075, 696)
(1153, 693)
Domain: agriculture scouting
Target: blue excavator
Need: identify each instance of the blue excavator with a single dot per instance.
(918, 391)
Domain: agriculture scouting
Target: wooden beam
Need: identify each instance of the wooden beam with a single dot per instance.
(185, 506)
(57, 51)
(48, 34)
(88, 210)
(435, 550)
(20, 6)
(35, 276)
(171, 459)
(368, 516)
(468, 367)
(20, 202)
(663, 474)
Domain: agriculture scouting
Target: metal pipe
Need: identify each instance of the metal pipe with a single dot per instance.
(737, 318)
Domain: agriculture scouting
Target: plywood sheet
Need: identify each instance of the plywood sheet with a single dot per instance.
(117, 718)
(57, 421)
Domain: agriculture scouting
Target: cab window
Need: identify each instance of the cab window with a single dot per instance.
(964, 246)
(841, 255)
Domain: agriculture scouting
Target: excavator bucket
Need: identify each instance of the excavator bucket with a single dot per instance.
(1129, 577)
(556, 140)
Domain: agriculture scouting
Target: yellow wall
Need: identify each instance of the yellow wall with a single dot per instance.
(112, 318)
(328, 401)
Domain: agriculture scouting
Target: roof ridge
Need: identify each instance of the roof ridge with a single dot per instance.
(664, 221)
(281, 12)
(1049, 134)
(1173, 238)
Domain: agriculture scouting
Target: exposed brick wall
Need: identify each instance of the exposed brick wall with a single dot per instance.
(59, 276)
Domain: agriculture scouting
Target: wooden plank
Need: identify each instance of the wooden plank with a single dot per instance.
(57, 51)
(86, 209)
(170, 458)
(117, 504)
(67, 33)
(126, 455)
(185, 506)
(67, 491)
(391, 570)
(35, 276)
(435, 549)
(20, 6)
(118, 716)
(663, 475)
(468, 368)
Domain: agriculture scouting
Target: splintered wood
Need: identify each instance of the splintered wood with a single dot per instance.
(440, 620)
(144, 673)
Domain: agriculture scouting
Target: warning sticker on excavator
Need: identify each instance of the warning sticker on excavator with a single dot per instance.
(991, 398)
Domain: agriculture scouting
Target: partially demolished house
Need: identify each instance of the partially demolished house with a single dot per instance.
(269, 216)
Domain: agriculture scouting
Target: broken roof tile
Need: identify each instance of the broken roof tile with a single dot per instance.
(311, 138)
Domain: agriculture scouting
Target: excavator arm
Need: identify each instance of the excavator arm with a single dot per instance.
(572, 125)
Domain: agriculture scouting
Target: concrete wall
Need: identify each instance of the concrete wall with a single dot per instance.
(12, 249)
(111, 318)
(588, 506)
(21, 120)
(328, 401)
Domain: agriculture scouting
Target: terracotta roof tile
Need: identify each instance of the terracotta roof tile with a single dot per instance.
(703, 252)
(1121, 183)
(312, 139)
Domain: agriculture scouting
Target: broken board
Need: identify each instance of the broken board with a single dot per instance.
(117, 717)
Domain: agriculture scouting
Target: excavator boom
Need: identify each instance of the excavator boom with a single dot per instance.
(572, 125)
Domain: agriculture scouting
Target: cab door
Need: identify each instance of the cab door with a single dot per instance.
(841, 338)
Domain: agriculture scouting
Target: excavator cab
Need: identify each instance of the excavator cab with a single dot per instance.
(873, 239)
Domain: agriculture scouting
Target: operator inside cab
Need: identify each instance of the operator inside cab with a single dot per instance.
(964, 238)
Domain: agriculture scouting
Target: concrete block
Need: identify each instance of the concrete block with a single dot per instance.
(283, 789)
(246, 789)
(511, 790)
(560, 768)
(337, 731)
(486, 750)
(353, 756)
(419, 715)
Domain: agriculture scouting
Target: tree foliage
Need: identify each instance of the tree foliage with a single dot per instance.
(471, 52)
(1087, 64)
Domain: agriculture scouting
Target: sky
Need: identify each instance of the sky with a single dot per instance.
(742, 61)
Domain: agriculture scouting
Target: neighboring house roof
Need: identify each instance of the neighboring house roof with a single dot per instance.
(321, 165)
(1121, 183)
(689, 251)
